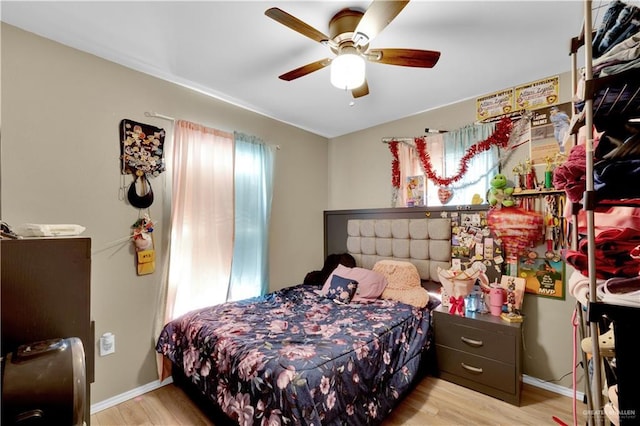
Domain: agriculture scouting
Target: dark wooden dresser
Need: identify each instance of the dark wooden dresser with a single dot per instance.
(481, 352)
(46, 294)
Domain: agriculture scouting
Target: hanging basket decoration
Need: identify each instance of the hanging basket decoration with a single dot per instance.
(518, 229)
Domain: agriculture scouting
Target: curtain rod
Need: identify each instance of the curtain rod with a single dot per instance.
(402, 140)
(156, 115)
(428, 132)
(166, 117)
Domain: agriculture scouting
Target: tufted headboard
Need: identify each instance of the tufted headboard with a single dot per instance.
(424, 242)
(420, 235)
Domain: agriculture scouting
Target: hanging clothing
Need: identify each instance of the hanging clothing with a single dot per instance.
(619, 22)
(611, 178)
(612, 251)
(570, 175)
(608, 21)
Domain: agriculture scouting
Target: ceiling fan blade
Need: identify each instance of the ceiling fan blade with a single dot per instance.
(305, 69)
(377, 16)
(404, 57)
(361, 91)
(295, 24)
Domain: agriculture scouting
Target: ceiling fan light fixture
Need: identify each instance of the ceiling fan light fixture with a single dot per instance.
(350, 31)
(348, 71)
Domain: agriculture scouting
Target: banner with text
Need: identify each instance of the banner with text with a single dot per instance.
(494, 105)
(538, 94)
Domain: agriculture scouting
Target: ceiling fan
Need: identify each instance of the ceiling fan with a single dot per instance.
(350, 32)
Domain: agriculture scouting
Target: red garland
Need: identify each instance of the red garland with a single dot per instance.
(500, 137)
(395, 165)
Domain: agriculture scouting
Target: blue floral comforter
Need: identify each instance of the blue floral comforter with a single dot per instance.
(295, 357)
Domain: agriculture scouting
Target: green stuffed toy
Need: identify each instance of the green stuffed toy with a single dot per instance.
(500, 193)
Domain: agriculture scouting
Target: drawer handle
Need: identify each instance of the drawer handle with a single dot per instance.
(470, 368)
(472, 342)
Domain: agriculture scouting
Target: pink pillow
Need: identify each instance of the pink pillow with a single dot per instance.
(370, 284)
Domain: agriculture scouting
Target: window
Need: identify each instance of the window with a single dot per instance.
(444, 159)
(481, 168)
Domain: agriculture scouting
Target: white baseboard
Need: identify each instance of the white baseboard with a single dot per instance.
(108, 403)
(115, 400)
(530, 380)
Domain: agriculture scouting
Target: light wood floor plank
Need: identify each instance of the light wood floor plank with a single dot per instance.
(159, 414)
(108, 417)
(134, 413)
(183, 408)
(433, 402)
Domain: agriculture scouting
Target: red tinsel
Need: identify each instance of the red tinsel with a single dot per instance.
(395, 165)
(500, 138)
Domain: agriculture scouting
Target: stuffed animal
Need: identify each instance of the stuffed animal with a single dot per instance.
(476, 199)
(331, 262)
(500, 193)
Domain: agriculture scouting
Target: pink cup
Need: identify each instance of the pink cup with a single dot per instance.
(496, 300)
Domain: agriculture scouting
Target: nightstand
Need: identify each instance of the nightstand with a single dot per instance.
(481, 352)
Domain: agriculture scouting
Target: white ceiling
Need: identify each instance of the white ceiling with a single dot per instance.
(232, 51)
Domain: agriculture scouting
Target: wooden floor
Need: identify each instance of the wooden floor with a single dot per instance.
(433, 402)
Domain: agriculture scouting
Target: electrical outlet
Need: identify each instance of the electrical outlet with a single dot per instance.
(107, 344)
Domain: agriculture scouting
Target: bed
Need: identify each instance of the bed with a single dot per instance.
(297, 356)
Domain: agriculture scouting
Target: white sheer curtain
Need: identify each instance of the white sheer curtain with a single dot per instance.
(202, 218)
(481, 168)
(435, 146)
(409, 166)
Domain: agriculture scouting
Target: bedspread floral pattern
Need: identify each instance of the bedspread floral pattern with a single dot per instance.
(296, 357)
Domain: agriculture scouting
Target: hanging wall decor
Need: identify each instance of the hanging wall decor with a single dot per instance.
(142, 155)
(445, 194)
(543, 277)
(416, 191)
(517, 229)
(140, 201)
(395, 172)
(141, 234)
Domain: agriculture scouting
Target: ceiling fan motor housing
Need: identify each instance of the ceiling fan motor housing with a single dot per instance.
(342, 26)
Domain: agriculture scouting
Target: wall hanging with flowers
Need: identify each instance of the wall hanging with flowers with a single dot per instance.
(142, 155)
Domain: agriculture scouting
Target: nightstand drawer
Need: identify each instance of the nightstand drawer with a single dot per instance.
(488, 344)
(486, 371)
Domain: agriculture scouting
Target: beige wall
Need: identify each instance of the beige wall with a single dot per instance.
(59, 164)
(364, 161)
